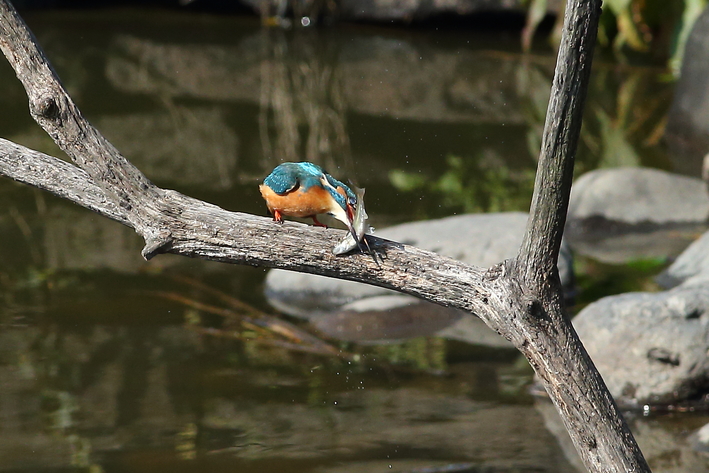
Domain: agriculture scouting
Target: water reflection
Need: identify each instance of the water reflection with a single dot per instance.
(99, 371)
(302, 112)
(164, 389)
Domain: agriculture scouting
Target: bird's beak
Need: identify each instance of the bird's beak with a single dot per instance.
(351, 228)
(349, 210)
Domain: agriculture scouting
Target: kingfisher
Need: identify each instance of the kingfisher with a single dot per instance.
(304, 190)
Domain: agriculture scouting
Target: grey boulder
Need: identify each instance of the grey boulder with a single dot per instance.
(477, 239)
(625, 214)
(639, 195)
(650, 348)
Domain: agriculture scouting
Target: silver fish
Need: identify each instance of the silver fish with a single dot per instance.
(360, 225)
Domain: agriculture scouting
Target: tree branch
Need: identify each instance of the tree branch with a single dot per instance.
(520, 299)
(540, 247)
(546, 326)
(202, 230)
(58, 177)
(58, 115)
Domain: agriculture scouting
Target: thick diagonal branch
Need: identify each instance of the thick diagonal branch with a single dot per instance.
(609, 445)
(206, 231)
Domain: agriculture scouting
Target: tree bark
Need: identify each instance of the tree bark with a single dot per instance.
(520, 298)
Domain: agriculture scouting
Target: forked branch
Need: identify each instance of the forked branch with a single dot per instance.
(520, 298)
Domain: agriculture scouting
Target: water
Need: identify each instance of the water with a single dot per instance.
(105, 367)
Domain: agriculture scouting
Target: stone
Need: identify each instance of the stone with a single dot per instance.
(611, 244)
(638, 196)
(628, 214)
(389, 317)
(353, 311)
(692, 262)
(398, 317)
(650, 348)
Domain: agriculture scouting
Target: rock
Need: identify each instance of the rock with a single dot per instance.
(687, 132)
(480, 239)
(473, 331)
(651, 347)
(618, 244)
(397, 317)
(692, 262)
(625, 214)
(639, 195)
(390, 317)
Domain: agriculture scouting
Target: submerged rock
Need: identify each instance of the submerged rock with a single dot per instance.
(477, 239)
(651, 347)
(625, 214)
(398, 317)
(390, 317)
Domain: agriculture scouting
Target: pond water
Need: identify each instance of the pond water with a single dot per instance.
(109, 363)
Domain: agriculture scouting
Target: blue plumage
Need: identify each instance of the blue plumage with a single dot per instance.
(286, 177)
(305, 190)
(351, 197)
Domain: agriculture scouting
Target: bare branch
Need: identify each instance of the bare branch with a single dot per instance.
(202, 230)
(540, 248)
(54, 110)
(536, 264)
(58, 177)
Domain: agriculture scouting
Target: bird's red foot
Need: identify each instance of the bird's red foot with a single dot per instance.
(277, 217)
(317, 222)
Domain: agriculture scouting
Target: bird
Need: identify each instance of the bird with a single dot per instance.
(304, 190)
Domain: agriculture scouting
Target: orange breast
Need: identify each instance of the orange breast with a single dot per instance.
(298, 203)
